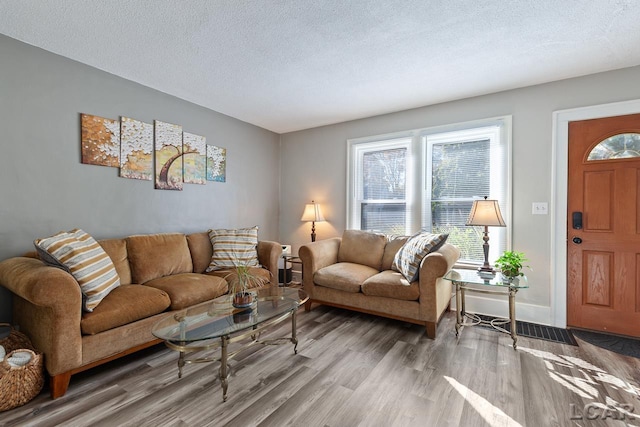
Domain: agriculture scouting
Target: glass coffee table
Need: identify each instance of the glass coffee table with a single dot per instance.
(216, 324)
(471, 280)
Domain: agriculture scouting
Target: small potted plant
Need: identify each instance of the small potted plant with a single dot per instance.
(242, 279)
(511, 263)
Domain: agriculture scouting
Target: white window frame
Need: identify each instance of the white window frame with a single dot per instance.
(417, 177)
(355, 196)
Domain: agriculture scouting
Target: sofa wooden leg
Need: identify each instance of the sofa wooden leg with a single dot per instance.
(431, 329)
(59, 384)
(307, 305)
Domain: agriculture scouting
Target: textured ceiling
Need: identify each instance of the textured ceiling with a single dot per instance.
(287, 65)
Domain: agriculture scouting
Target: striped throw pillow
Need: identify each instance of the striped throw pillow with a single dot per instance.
(408, 258)
(232, 247)
(79, 254)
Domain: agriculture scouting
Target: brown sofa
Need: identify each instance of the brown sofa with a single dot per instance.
(354, 272)
(158, 273)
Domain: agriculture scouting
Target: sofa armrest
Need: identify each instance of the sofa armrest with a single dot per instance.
(47, 307)
(315, 256)
(435, 292)
(268, 254)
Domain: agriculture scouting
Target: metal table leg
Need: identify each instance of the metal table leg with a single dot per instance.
(223, 368)
(459, 303)
(512, 315)
(294, 327)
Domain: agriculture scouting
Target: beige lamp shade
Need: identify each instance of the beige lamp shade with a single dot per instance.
(486, 212)
(312, 213)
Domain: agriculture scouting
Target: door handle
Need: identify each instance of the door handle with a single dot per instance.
(577, 240)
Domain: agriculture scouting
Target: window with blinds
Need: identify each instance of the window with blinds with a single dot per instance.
(463, 166)
(382, 186)
(429, 180)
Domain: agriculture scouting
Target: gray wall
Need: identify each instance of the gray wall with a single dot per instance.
(46, 189)
(314, 161)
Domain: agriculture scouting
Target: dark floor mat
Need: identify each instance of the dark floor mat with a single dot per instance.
(617, 344)
(543, 332)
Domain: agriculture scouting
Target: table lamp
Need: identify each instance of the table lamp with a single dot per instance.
(312, 213)
(486, 213)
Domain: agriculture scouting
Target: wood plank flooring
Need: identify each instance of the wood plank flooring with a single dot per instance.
(354, 369)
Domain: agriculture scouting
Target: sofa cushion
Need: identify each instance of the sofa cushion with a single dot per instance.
(390, 249)
(408, 258)
(344, 276)
(187, 289)
(124, 305)
(362, 247)
(117, 251)
(263, 275)
(391, 284)
(78, 253)
(233, 247)
(158, 255)
(201, 251)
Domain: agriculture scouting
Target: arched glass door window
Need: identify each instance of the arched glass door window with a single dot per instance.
(621, 146)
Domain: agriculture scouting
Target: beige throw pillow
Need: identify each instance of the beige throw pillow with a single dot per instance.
(232, 247)
(79, 254)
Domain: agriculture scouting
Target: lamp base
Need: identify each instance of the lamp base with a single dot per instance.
(486, 275)
(486, 269)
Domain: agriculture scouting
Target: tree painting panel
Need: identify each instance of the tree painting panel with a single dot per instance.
(168, 152)
(194, 158)
(216, 163)
(100, 141)
(136, 149)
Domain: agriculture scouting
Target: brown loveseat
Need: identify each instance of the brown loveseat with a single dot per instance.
(354, 272)
(158, 273)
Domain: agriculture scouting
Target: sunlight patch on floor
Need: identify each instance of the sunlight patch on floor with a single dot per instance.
(490, 413)
(586, 383)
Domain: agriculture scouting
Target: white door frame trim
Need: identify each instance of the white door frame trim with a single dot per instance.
(559, 190)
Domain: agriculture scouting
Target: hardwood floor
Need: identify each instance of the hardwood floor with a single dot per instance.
(358, 370)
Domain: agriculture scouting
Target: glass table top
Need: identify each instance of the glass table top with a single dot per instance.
(473, 277)
(217, 318)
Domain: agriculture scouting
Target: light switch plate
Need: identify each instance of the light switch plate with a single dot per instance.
(540, 208)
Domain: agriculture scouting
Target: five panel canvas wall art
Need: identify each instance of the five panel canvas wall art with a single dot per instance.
(135, 146)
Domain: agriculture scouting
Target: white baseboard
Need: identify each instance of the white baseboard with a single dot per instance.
(500, 307)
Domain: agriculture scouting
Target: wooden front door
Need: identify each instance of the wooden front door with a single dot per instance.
(603, 252)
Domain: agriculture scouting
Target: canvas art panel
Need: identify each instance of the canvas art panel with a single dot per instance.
(194, 158)
(100, 141)
(216, 163)
(136, 149)
(168, 156)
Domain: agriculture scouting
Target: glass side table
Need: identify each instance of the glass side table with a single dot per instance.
(471, 280)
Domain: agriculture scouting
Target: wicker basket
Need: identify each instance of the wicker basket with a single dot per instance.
(15, 340)
(19, 384)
